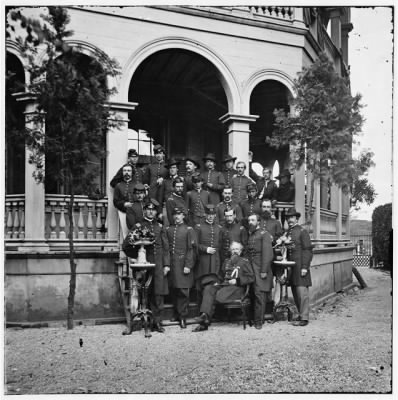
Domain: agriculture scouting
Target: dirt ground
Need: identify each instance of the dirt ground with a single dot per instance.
(347, 347)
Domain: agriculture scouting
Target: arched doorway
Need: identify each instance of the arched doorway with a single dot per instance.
(267, 96)
(180, 99)
(15, 121)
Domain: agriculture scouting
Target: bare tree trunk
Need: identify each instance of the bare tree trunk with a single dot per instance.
(310, 210)
(72, 281)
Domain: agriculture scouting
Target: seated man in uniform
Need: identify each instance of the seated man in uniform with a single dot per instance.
(235, 274)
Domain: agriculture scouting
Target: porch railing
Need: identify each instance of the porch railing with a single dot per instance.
(90, 217)
(14, 224)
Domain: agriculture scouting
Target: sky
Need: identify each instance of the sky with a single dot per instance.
(371, 60)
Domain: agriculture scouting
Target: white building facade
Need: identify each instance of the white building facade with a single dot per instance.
(195, 79)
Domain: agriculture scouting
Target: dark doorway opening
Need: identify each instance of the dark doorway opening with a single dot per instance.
(180, 99)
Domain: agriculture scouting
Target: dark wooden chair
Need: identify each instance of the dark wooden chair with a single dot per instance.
(244, 304)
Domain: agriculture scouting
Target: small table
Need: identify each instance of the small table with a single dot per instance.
(281, 270)
(140, 280)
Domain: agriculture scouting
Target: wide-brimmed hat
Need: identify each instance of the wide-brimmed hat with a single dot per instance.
(139, 187)
(193, 159)
(228, 157)
(285, 172)
(158, 148)
(171, 162)
(292, 212)
(132, 153)
(210, 156)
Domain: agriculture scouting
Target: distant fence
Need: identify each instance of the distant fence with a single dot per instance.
(363, 250)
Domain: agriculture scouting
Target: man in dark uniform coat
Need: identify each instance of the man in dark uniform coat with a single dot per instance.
(214, 180)
(176, 199)
(300, 278)
(239, 183)
(156, 172)
(167, 186)
(137, 175)
(267, 223)
(231, 231)
(227, 203)
(229, 170)
(196, 201)
(236, 272)
(154, 254)
(267, 188)
(178, 249)
(192, 166)
(260, 253)
(250, 206)
(123, 196)
(286, 191)
(135, 213)
(208, 242)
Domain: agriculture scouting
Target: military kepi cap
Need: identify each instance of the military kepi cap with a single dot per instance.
(251, 186)
(158, 148)
(178, 210)
(151, 204)
(210, 209)
(196, 177)
(139, 187)
(132, 153)
(292, 212)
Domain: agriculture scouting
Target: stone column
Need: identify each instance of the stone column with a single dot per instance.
(335, 27)
(238, 135)
(117, 148)
(34, 192)
(346, 28)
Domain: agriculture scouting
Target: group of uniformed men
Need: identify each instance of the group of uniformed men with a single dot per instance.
(217, 233)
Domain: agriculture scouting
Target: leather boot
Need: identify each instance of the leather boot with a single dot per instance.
(183, 323)
(157, 327)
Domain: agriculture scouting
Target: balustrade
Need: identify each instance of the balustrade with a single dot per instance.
(14, 216)
(276, 12)
(89, 218)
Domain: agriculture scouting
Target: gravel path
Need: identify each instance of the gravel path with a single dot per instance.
(345, 348)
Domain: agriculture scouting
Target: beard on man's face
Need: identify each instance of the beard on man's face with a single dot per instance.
(252, 228)
(266, 214)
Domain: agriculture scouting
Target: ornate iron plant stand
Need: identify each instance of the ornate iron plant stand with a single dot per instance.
(140, 278)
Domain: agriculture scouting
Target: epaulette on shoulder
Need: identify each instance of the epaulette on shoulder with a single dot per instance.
(241, 227)
(167, 227)
(189, 227)
(245, 259)
(220, 226)
(198, 225)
